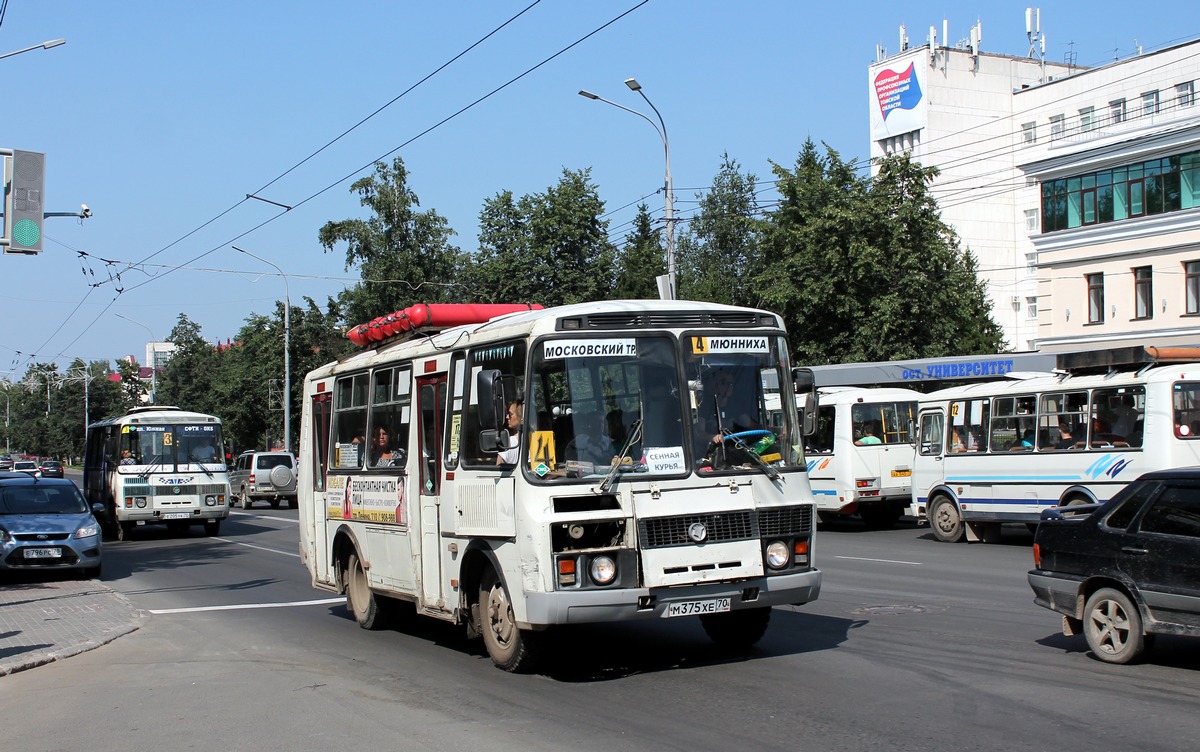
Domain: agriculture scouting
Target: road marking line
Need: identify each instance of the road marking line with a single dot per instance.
(246, 606)
(264, 517)
(882, 561)
(251, 545)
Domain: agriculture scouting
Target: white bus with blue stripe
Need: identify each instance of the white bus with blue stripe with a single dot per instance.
(1003, 451)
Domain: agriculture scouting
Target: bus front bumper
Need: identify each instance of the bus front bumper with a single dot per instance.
(625, 604)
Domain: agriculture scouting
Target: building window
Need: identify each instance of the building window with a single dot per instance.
(1031, 307)
(1031, 220)
(1087, 118)
(1155, 186)
(1191, 285)
(1143, 293)
(1150, 103)
(1116, 111)
(1095, 287)
(1058, 126)
(1185, 94)
(1029, 133)
(1031, 263)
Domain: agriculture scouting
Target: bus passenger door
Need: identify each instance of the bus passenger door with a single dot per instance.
(431, 402)
(928, 469)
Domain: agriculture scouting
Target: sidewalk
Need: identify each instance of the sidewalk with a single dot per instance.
(42, 622)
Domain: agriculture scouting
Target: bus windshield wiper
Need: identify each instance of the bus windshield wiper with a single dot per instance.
(759, 462)
(634, 436)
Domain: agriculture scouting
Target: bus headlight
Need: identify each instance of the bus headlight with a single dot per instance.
(778, 555)
(210, 500)
(603, 570)
(139, 502)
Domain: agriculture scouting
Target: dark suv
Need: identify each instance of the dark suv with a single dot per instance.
(1126, 570)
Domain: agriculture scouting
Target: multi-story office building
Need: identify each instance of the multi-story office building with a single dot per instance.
(1077, 189)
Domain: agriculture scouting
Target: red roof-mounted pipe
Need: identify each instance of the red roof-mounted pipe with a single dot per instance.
(432, 316)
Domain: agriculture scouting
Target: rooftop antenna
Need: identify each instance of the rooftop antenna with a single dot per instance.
(903, 38)
(1033, 30)
(933, 50)
(880, 52)
(945, 41)
(976, 40)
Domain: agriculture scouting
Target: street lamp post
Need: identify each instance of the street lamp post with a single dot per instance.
(153, 359)
(668, 193)
(43, 46)
(287, 365)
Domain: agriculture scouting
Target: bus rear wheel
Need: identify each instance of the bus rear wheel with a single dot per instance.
(510, 648)
(945, 521)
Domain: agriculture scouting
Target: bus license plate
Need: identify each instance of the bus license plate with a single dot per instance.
(902, 473)
(176, 515)
(43, 553)
(696, 608)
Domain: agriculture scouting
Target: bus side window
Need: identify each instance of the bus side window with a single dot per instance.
(350, 421)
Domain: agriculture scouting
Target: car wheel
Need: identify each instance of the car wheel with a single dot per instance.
(292, 502)
(945, 521)
(510, 648)
(736, 630)
(274, 503)
(246, 500)
(92, 573)
(1113, 626)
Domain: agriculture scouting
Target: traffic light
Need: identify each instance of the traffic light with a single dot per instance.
(24, 204)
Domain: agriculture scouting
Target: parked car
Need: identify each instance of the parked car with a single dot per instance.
(45, 523)
(6, 462)
(51, 469)
(264, 475)
(27, 466)
(1124, 571)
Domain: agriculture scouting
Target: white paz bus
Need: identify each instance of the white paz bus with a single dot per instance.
(157, 465)
(511, 469)
(1003, 451)
(860, 457)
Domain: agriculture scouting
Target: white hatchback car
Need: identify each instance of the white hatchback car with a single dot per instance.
(269, 476)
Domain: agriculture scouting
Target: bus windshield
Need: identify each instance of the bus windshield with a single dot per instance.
(735, 420)
(164, 447)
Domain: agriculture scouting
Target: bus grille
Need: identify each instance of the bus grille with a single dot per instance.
(642, 319)
(663, 532)
(191, 489)
(785, 521)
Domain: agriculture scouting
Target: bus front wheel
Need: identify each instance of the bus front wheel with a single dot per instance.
(945, 521)
(124, 530)
(361, 601)
(510, 648)
(736, 630)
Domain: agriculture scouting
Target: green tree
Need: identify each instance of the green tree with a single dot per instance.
(550, 248)
(403, 254)
(718, 257)
(864, 269)
(190, 377)
(641, 259)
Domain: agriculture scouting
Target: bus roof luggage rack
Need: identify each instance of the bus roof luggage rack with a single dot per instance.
(1126, 358)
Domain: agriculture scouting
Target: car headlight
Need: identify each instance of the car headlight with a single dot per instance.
(603, 570)
(5, 536)
(88, 531)
(778, 555)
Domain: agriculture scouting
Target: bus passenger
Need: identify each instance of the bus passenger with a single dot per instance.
(381, 448)
(869, 438)
(1065, 439)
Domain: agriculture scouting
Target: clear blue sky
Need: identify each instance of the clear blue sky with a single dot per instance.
(161, 116)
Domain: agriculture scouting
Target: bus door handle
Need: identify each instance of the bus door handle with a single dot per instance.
(1133, 550)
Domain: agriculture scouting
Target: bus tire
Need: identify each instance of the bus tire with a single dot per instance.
(945, 521)
(212, 527)
(1113, 626)
(737, 630)
(510, 648)
(880, 516)
(360, 600)
(124, 530)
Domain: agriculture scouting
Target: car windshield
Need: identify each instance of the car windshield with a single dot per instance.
(41, 499)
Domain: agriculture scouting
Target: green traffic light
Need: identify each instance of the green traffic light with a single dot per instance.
(26, 233)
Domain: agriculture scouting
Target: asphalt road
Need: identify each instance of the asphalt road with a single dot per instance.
(914, 645)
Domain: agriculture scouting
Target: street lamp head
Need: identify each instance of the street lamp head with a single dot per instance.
(53, 43)
(633, 84)
(588, 94)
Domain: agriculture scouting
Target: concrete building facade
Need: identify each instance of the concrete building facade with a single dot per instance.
(1077, 189)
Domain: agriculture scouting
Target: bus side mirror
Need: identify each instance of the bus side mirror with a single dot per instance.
(805, 382)
(493, 402)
